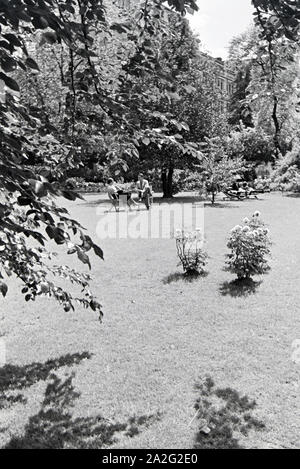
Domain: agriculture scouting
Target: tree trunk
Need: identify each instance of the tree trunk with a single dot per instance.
(277, 127)
(167, 182)
(70, 103)
(213, 197)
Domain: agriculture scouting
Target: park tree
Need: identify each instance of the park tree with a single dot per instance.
(268, 96)
(152, 91)
(253, 144)
(30, 216)
(183, 111)
(141, 83)
(266, 60)
(278, 26)
(239, 107)
(279, 18)
(218, 169)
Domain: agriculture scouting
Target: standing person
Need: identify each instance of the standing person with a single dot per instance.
(142, 186)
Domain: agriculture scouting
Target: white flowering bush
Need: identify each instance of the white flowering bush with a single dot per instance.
(190, 251)
(250, 248)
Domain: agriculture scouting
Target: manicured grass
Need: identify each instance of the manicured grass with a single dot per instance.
(135, 374)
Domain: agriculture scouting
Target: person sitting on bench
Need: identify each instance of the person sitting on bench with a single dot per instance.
(249, 190)
(115, 192)
(143, 187)
(235, 191)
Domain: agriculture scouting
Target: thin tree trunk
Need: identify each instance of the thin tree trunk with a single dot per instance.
(277, 127)
(272, 57)
(213, 196)
(167, 182)
(275, 119)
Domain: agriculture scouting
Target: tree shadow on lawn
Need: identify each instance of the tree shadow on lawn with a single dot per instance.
(221, 205)
(19, 377)
(94, 203)
(230, 203)
(178, 276)
(294, 195)
(182, 199)
(195, 200)
(54, 426)
(156, 200)
(15, 377)
(179, 199)
(222, 415)
(239, 287)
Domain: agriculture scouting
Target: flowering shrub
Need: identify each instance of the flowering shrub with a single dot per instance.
(189, 249)
(262, 185)
(250, 247)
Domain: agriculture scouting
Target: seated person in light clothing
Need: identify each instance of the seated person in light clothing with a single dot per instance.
(142, 187)
(248, 189)
(115, 192)
(113, 189)
(235, 191)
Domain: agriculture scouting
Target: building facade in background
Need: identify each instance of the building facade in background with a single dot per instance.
(223, 75)
(223, 78)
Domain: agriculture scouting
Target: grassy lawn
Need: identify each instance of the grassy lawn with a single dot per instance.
(134, 376)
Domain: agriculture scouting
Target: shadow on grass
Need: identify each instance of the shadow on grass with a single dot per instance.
(222, 204)
(178, 276)
(54, 425)
(14, 377)
(95, 203)
(223, 415)
(196, 200)
(239, 287)
(179, 199)
(188, 199)
(294, 195)
(20, 377)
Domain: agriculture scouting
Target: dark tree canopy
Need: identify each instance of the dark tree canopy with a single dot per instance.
(29, 215)
(278, 18)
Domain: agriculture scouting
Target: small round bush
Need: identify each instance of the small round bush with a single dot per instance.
(249, 244)
(190, 252)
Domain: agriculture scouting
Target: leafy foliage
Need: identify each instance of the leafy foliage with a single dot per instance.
(266, 59)
(286, 175)
(267, 94)
(183, 103)
(30, 216)
(190, 251)
(278, 18)
(252, 144)
(250, 246)
(218, 169)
